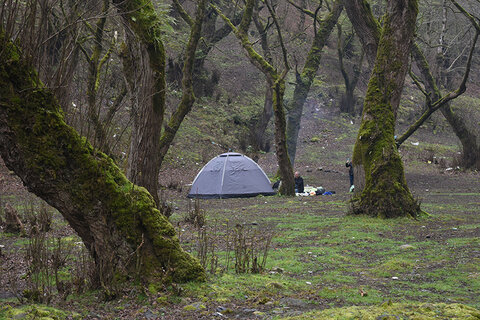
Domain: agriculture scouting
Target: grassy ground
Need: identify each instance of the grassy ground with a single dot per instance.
(319, 259)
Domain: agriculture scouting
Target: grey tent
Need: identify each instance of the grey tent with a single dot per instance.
(230, 175)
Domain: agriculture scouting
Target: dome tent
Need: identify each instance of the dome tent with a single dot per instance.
(230, 175)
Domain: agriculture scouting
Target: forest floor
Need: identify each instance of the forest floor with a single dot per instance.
(311, 254)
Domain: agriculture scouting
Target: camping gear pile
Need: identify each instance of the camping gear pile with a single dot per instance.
(314, 191)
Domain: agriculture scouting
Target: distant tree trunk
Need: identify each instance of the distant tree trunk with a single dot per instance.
(347, 104)
(144, 154)
(205, 81)
(386, 193)
(118, 221)
(366, 26)
(13, 224)
(443, 78)
(259, 128)
(95, 63)
(284, 165)
(188, 96)
(467, 137)
(304, 79)
(301, 19)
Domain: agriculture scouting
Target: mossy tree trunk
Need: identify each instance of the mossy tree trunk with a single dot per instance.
(148, 145)
(118, 221)
(278, 79)
(144, 153)
(386, 193)
(305, 78)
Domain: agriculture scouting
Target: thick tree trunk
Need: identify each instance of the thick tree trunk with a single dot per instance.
(117, 221)
(305, 79)
(144, 155)
(386, 193)
(468, 138)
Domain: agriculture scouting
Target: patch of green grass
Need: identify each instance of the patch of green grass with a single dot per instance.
(394, 267)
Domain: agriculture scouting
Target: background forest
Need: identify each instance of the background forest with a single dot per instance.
(159, 88)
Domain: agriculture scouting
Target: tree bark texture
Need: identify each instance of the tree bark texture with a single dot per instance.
(144, 154)
(117, 221)
(386, 193)
(305, 78)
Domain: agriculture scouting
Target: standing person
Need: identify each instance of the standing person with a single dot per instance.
(349, 165)
(298, 183)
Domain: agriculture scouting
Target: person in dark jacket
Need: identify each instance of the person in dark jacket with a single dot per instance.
(349, 165)
(298, 183)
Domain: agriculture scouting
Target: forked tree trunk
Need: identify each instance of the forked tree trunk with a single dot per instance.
(386, 193)
(118, 221)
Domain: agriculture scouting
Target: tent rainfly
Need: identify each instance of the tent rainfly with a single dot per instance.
(230, 175)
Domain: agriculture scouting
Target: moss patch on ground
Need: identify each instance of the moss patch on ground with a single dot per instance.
(389, 311)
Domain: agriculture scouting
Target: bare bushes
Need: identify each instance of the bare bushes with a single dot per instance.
(223, 246)
(195, 215)
(54, 264)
